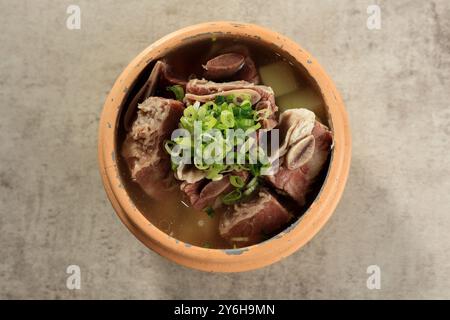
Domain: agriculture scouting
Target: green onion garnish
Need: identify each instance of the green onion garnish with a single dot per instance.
(232, 197)
(210, 212)
(237, 181)
(178, 91)
(234, 112)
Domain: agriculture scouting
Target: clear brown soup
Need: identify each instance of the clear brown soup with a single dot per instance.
(170, 215)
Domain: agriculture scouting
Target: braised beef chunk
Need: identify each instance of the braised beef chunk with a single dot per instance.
(196, 89)
(250, 222)
(143, 148)
(304, 152)
(206, 193)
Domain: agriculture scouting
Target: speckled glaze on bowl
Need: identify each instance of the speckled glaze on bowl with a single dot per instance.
(230, 260)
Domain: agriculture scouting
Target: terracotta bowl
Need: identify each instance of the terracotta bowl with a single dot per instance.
(231, 260)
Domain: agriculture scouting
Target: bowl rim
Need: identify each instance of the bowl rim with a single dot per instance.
(225, 260)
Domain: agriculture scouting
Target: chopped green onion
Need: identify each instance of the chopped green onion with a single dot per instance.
(232, 197)
(220, 99)
(237, 181)
(253, 128)
(246, 104)
(230, 98)
(216, 144)
(249, 191)
(190, 112)
(210, 212)
(253, 182)
(261, 114)
(178, 91)
(209, 122)
(227, 118)
(245, 123)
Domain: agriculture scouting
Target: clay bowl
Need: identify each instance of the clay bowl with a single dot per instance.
(231, 260)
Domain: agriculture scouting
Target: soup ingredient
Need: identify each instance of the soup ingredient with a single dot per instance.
(205, 87)
(251, 95)
(210, 212)
(189, 173)
(147, 90)
(168, 78)
(304, 98)
(296, 178)
(249, 222)
(248, 72)
(265, 106)
(160, 75)
(300, 153)
(295, 125)
(143, 148)
(204, 193)
(233, 110)
(280, 77)
(224, 66)
(178, 91)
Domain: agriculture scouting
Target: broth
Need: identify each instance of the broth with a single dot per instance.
(173, 215)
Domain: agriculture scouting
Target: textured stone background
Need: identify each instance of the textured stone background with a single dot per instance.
(396, 208)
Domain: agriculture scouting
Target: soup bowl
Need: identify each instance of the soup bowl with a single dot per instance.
(225, 260)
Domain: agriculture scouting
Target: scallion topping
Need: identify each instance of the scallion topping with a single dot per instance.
(178, 91)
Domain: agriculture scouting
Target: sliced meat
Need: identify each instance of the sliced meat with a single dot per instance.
(224, 66)
(204, 87)
(271, 121)
(248, 72)
(168, 78)
(294, 125)
(143, 148)
(254, 95)
(189, 173)
(296, 183)
(250, 222)
(205, 193)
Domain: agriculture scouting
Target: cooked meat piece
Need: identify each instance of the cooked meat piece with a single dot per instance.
(205, 193)
(205, 88)
(160, 76)
(300, 153)
(146, 90)
(189, 173)
(301, 165)
(143, 148)
(271, 121)
(224, 66)
(251, 221)
(254, 95)
(248, 72)
(168, 78)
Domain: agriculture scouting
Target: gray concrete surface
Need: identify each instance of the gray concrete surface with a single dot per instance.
(395, 212)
